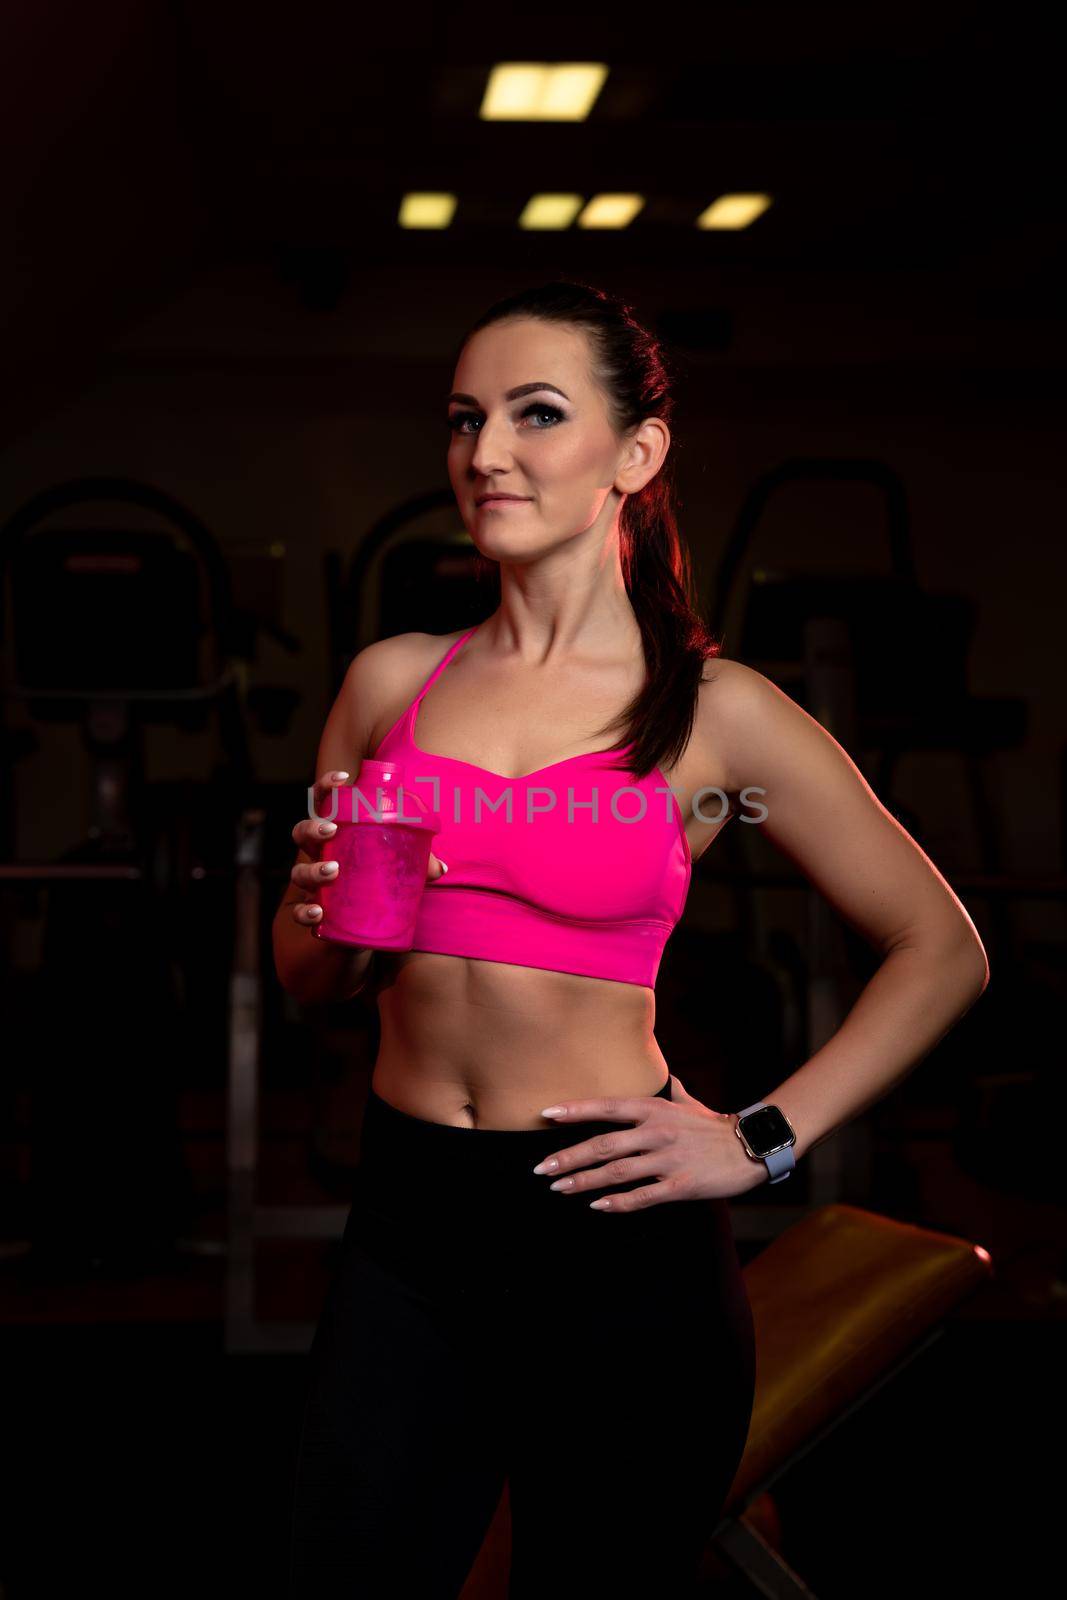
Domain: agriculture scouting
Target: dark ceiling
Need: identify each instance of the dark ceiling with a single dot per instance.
(142, 138)
(914, 132)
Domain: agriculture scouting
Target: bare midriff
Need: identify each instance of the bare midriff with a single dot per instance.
(486, 1044)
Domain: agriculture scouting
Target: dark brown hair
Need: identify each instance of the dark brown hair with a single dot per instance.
(629, 366)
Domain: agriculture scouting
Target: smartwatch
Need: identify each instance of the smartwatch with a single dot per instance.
(767, 1135)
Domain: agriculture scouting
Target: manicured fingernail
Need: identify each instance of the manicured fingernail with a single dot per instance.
(554, 1111)
(339, 777)
(600, 1205)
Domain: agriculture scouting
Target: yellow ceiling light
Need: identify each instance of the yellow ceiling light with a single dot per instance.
(611, 210)
(426, 209)
(734, 211)
(542, 91)
(550, 210)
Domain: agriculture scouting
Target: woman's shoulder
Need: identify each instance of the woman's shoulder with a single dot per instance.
(733, 695)
(385, 676)
(724, 678)
(402, 652)
(732, 704)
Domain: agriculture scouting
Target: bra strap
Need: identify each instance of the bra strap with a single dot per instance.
(443, 663)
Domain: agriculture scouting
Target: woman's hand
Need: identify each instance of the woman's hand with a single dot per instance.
(691, 1152)
(311, 833)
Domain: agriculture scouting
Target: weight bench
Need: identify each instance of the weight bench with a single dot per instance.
(842, 1301)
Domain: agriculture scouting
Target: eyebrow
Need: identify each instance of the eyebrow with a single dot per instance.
(512, 394)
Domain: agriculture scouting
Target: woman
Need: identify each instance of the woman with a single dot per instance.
(481, 1326)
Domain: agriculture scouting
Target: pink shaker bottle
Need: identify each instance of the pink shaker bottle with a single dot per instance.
(382, 846)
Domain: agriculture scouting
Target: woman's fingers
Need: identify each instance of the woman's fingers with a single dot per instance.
(322, 789)
(311, 833)
(309, 874)
(308, 831)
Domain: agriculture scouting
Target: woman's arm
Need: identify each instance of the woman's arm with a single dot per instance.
(824, 816)
(316, 970)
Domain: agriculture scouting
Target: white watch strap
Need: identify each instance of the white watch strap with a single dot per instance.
(780, 1163)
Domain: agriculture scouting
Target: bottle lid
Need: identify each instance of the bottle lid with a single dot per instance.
(379, 794)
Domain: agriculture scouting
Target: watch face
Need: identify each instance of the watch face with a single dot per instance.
(766, 1130)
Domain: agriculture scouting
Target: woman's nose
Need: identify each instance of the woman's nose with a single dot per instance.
(490, 451)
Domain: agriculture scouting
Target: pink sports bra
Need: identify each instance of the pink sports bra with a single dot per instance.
(574, 867)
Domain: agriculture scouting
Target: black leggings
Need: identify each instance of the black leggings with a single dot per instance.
(481, 1326)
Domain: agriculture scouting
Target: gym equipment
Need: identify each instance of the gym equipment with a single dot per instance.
(881, 665)
(113, 626)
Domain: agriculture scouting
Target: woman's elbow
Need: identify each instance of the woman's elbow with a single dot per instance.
(966, 954)
(954, 949)
(983, 969)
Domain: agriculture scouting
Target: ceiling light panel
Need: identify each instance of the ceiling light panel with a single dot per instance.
(550, 210)
(421, 208)
(611, 210)
(542, 91)
(734, 210)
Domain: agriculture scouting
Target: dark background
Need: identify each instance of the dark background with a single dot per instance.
(215, 332)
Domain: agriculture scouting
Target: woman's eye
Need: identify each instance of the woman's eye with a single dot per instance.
(458, 418)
